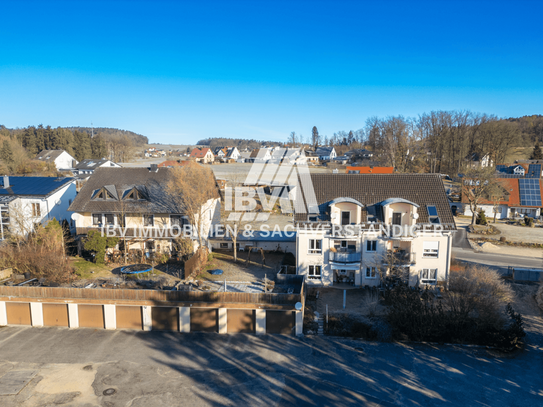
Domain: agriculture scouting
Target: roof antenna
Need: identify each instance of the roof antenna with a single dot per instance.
(92, 131)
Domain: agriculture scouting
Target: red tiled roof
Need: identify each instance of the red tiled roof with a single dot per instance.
(199, 152)
(372, 170)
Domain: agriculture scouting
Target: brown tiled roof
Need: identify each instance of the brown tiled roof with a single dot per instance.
(119, 182)
(372, 189)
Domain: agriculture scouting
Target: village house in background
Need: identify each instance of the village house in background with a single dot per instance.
(518, 192)
(202, 155)
(62, 160)
(327, 253)
(226, 154)
(136, 198)
(26, 201)
(88, 166)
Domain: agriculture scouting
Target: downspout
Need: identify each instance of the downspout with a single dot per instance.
(449, 241)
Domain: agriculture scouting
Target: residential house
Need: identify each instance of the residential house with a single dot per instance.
(359, 154)
(260, 155)
(61, 159)
(518, 194)
(135, 201)
(203, 155)
(26, 201)
(232, 153)
(88, 166)
(364, 228)
(479, 160)
(326, 153)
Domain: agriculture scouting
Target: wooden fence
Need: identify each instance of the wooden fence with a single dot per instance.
(194, 265)
(154, 296)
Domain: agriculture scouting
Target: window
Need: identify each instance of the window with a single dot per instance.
(148, 220)
(430, 249)
(371, 272)
(69, 202)
(224, 245)
(36, 210)
(176, 220)
(345, 217)
(110, 219)
(96, 219)
(428, 276)
(315, 246)
(432, 214)
(314, 272)
(371, 245)
(396, 218)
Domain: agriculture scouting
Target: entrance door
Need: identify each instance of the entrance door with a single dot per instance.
(345, 218)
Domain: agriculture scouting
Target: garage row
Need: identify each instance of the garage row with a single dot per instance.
(160, 318)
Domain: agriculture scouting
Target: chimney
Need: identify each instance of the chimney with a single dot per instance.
(6, 182)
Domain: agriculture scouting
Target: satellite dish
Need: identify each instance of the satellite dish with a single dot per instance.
(75, 216)
(415, 216)
(334, 216)
(298, 306)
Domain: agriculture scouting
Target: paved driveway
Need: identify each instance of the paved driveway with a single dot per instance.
(75, 367)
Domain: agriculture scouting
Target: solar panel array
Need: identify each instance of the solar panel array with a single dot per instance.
(501, 175)
(530, 194)
(32, 185)
(534, 171)
(502, 168)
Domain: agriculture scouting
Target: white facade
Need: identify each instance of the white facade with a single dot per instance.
(25, 211)
(330, 256)
(64, 161)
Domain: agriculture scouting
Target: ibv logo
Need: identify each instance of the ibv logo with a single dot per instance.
(285, 172)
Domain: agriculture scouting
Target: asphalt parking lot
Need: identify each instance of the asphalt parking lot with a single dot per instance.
(86, 367)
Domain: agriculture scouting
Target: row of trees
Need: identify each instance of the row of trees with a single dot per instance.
(439, 141)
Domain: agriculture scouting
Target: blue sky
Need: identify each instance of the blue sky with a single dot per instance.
(179, 71)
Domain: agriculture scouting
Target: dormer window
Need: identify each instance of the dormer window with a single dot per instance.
(105, 193)
(133, 195)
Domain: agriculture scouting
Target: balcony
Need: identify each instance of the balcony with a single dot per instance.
(345, 231)
(400, 258)
(345, 257)
(137, 232)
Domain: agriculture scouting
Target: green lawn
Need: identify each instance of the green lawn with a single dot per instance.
(83, 268)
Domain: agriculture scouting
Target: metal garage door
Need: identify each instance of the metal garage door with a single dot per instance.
(18, 313)
(203, 320)
(165, 318)
(240, 321)
(280, 322)
(55, 314)
(128, 317)
(91, 316)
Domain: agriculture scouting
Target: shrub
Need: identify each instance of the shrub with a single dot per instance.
(481, 218)
(475, 309)
(528, 221)
(42, 255)
(98, 244)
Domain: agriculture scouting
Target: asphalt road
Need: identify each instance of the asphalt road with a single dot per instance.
(75, 367)
(501, 262)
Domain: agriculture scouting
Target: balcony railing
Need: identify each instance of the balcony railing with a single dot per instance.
(339, 257)
(400, 258)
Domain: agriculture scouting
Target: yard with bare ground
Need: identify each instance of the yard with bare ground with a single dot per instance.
(241, 270)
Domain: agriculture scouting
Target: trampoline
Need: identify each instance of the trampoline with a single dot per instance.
(136, 269)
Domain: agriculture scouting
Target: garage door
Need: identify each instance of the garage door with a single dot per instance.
(165, 318)
(128, 317)
(91, 316)
(55, 314)
(240, 321)
(280, 322)
(203, 320)
(18, 313)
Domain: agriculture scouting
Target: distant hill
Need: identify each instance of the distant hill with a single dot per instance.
(137, 139)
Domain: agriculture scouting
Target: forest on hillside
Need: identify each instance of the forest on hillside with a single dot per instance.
(19, 147)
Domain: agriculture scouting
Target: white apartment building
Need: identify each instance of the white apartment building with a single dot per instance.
(372, 225)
